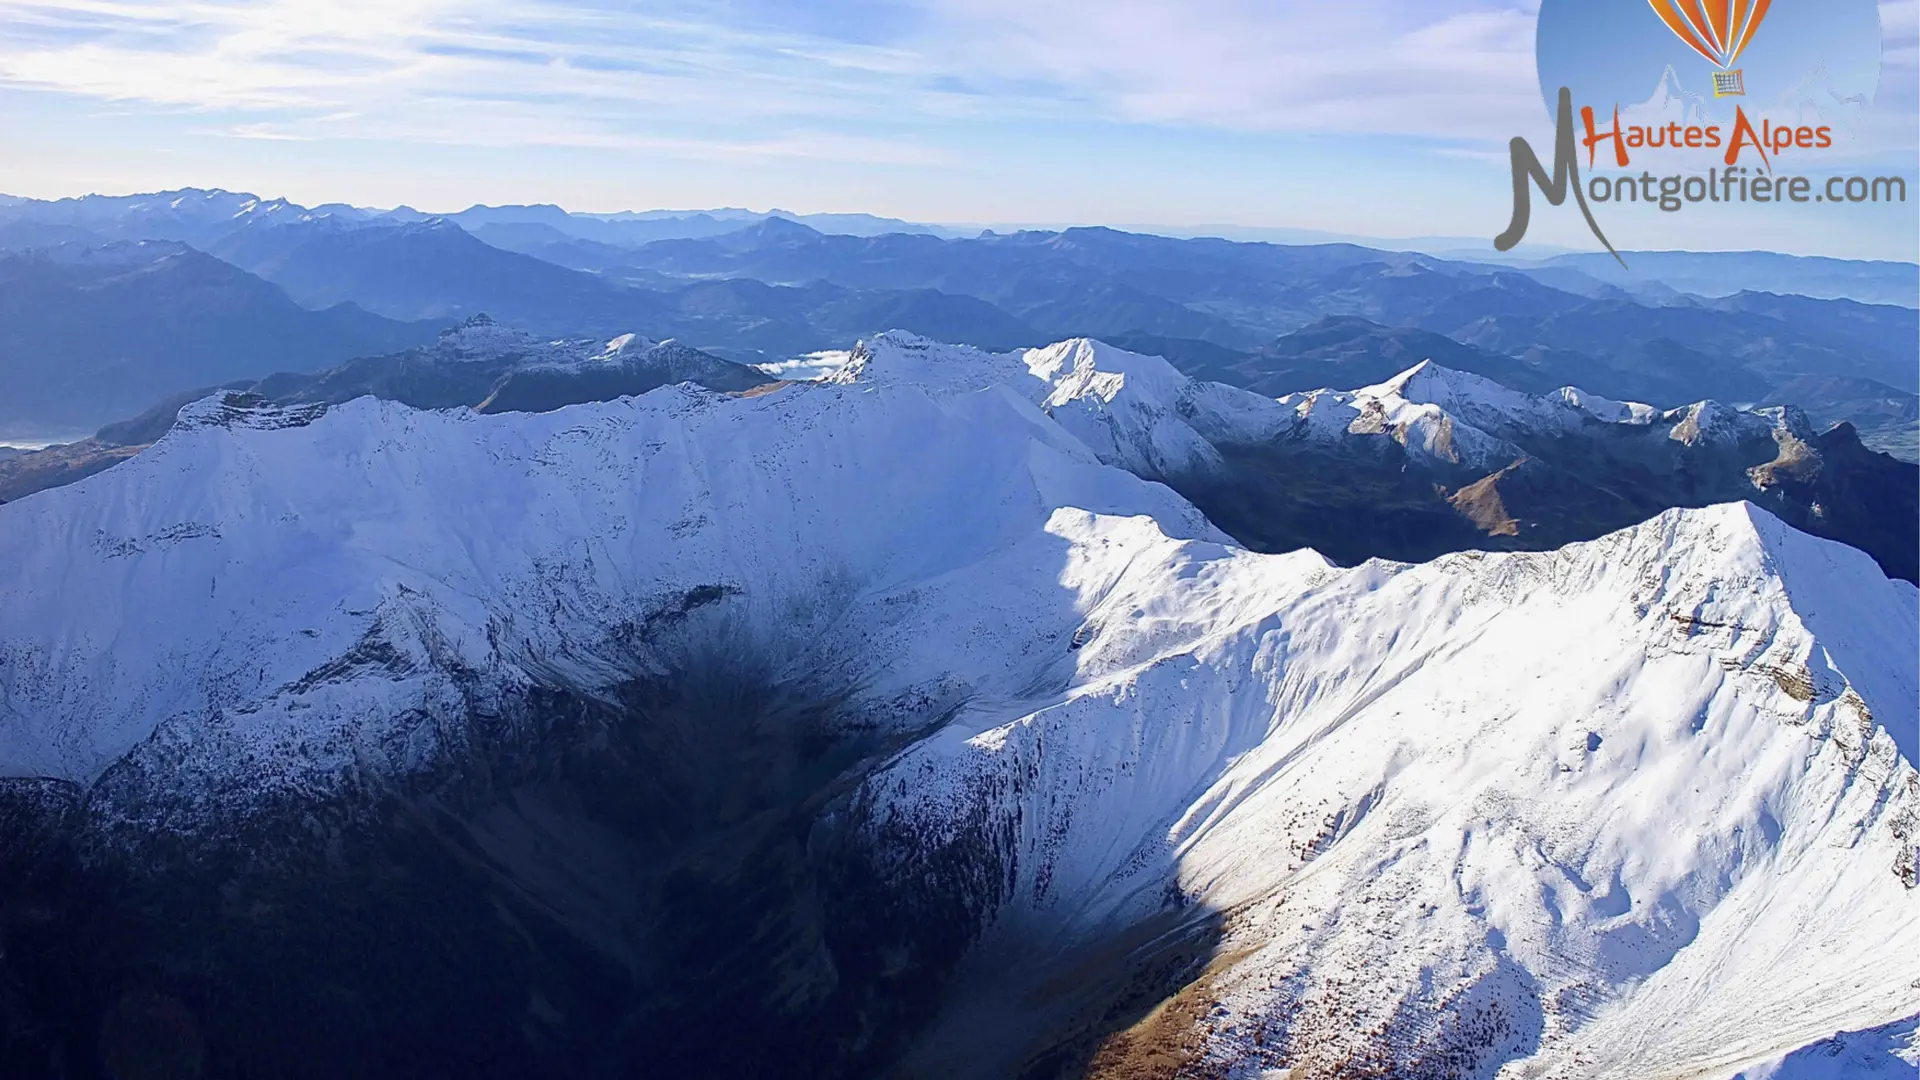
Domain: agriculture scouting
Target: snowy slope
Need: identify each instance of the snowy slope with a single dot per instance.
(1574, 812)
(1637, 807)
(1133, 411)
(228, 566)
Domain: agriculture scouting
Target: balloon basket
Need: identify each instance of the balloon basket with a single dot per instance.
(1729, 84)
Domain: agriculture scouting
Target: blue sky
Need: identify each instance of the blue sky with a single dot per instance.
(1364, 116)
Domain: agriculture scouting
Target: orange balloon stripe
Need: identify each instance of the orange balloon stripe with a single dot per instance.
(1696, 16)
(1753, 23)
(1679, 26)
(1720, 14)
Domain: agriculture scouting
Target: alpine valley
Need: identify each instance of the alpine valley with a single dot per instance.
(505, 706)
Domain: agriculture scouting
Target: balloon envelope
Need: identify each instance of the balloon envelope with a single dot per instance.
(1716, 29)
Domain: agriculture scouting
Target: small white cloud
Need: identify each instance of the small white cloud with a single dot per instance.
(264, 132)
(810, 366)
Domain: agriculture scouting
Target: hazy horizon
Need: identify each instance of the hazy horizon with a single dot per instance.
(1381, 119)
(1453, 247)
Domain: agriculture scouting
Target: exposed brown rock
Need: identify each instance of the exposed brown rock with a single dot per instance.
(1481, 503)
(1169, 1042)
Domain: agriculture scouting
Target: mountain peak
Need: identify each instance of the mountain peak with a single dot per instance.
(243, 410)
(1474, 398)
(628, 345)
(479, 336)
(1607, 409)
(776, 227)
(899, 356)
(1084, 367)
(1837, 592)
(1400, 383)
(1710, 421)
(541, 208)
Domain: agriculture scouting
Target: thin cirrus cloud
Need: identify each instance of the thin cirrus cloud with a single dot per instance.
(745, 77)
(1900, 43)
(866, 80)
(1456, 70)
(486, 75)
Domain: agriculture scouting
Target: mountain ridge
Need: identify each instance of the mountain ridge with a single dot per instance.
(1428, 461)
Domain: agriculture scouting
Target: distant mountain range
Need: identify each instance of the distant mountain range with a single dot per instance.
(1724, 273)
(1104, 283)
(591, 241)
(91, 334)
(429, 269)
(201, 215)
(764, 288)
(633, 228)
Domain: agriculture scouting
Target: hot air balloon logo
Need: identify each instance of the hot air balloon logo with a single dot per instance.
(1716, 29)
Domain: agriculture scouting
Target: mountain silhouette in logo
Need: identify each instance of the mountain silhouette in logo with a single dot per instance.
(1670, 100)
(1813, 99)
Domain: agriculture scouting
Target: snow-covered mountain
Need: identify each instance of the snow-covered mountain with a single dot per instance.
(1435, 460)
(884, 721)
(1478, 816)
(476, 364)
(1456, 418)
(1428, 461)
(196, 216)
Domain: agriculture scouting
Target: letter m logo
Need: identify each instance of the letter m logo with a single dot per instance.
(1566, 174)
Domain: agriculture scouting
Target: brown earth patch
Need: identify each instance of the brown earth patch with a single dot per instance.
(763, 389)
(1169, 1043)
(1481, 504)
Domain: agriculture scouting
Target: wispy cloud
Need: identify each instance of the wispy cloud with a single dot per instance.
(1900, 30)
(671, 75)
(1362, 66)
(497, 73)
(862, 80)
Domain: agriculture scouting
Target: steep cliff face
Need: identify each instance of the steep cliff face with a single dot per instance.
(893, 725)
